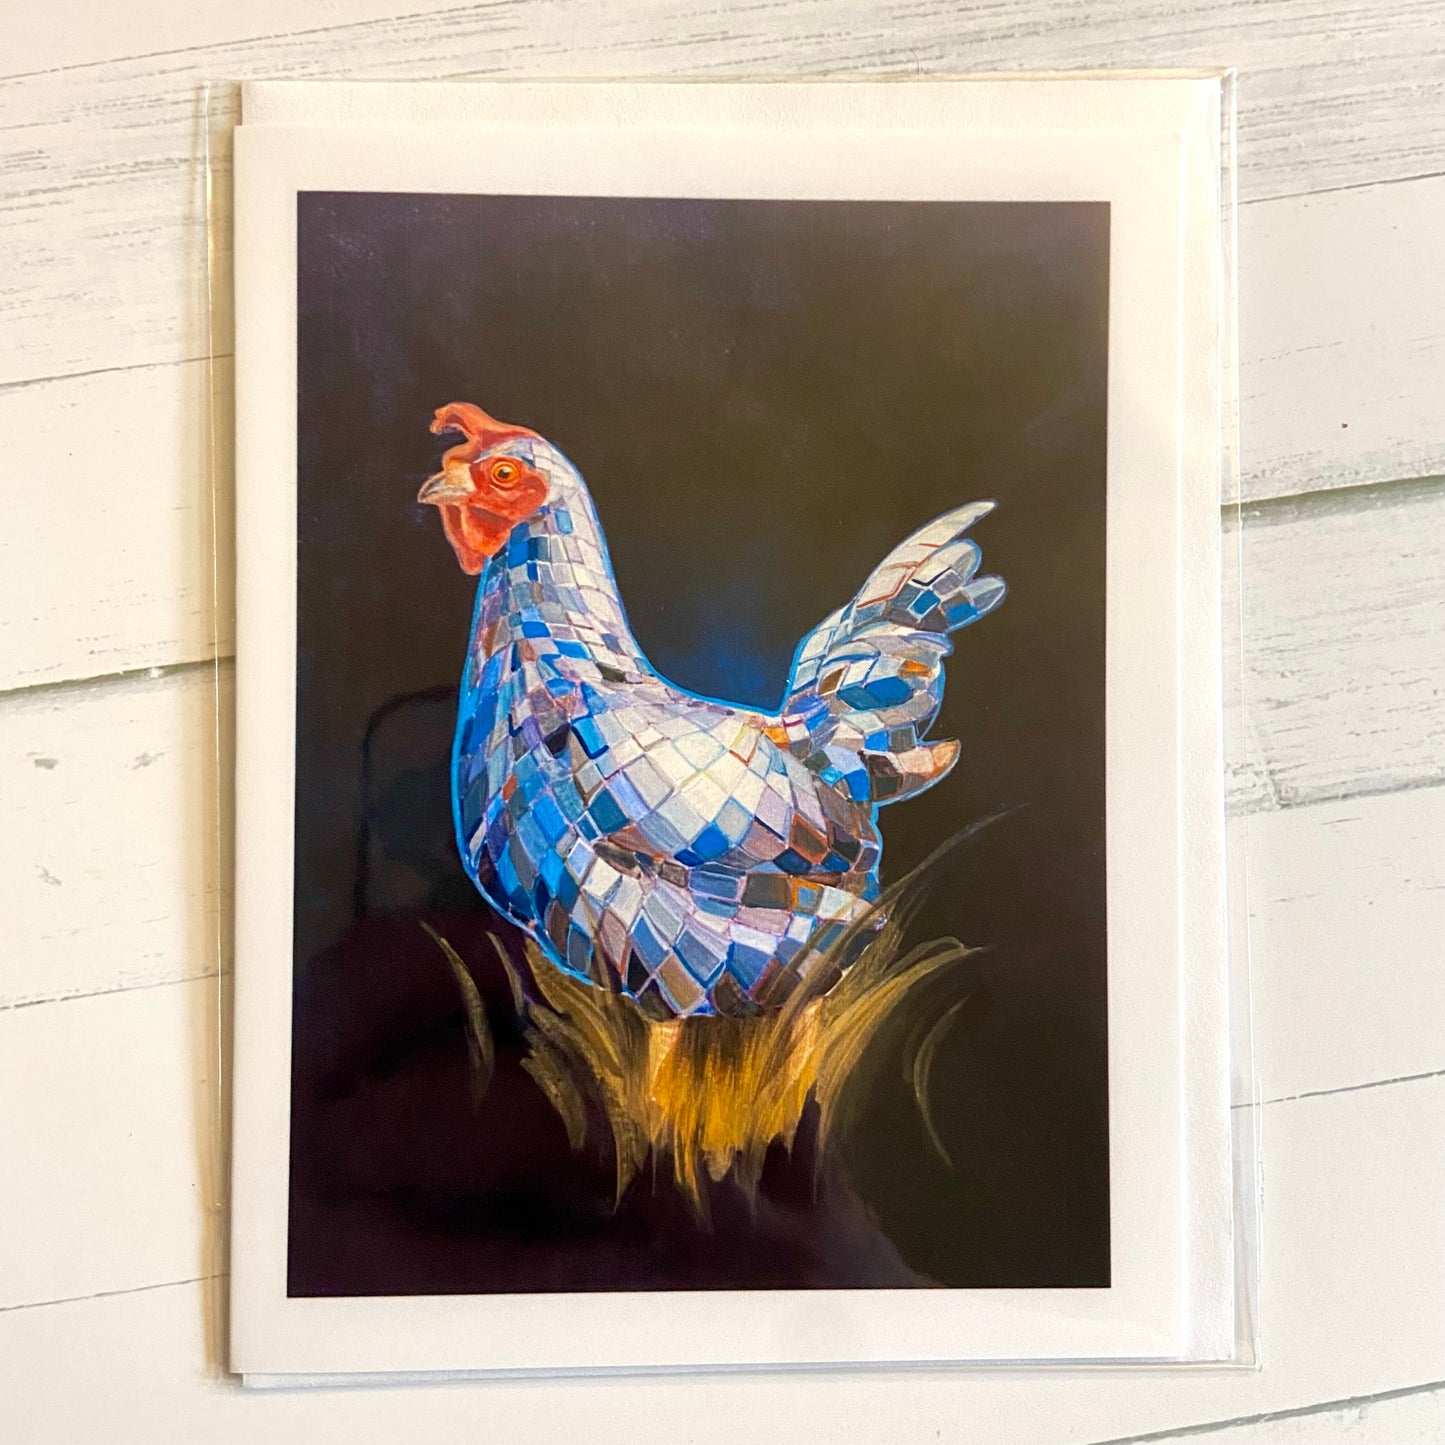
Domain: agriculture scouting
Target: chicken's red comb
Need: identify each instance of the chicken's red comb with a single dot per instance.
(481, 431)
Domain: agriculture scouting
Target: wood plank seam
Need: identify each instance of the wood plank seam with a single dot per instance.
(21, 383)
(1351, 186)
(1268, 511)
(1348, 1088)
(214, 663)
(1297, 797)
(1297, 1412)
(79, 994)
(45, 1304)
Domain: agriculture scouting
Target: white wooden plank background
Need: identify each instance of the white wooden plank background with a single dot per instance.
(113, 890)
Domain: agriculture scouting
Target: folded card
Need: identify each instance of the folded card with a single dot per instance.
(730, 826)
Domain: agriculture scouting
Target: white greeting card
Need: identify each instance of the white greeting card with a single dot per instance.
(730, 827)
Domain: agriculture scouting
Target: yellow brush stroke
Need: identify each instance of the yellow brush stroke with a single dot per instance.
(919, 1071)
(710, 1096)
(479, 1036)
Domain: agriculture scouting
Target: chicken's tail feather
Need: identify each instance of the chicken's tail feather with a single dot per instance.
(867, 682)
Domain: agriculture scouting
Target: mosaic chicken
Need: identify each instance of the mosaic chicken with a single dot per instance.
(691, 854)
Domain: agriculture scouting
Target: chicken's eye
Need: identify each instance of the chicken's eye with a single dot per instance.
(504, 472)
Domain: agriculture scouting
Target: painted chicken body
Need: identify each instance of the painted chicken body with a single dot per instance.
(694, 855)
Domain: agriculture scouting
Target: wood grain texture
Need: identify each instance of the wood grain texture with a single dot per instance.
(114, 1183)
(1332, 396)
(1347, 910)
(1350, 1304)
(1341, 687)
(111, 1131)
(115, 866)
(103, 201)
(1342, 339)
(133, 586)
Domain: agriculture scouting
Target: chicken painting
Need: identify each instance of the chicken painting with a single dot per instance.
(697, 856)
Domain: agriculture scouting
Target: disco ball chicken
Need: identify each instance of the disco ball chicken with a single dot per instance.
(697, 856)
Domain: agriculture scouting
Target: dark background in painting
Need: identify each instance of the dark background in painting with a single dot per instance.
(764, 398)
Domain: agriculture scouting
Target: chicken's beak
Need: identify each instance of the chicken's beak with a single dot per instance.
(446, 488)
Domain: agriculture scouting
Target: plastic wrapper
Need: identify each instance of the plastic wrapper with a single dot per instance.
(735, 586)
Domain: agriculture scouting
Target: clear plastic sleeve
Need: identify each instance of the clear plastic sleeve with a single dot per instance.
(571, 190)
